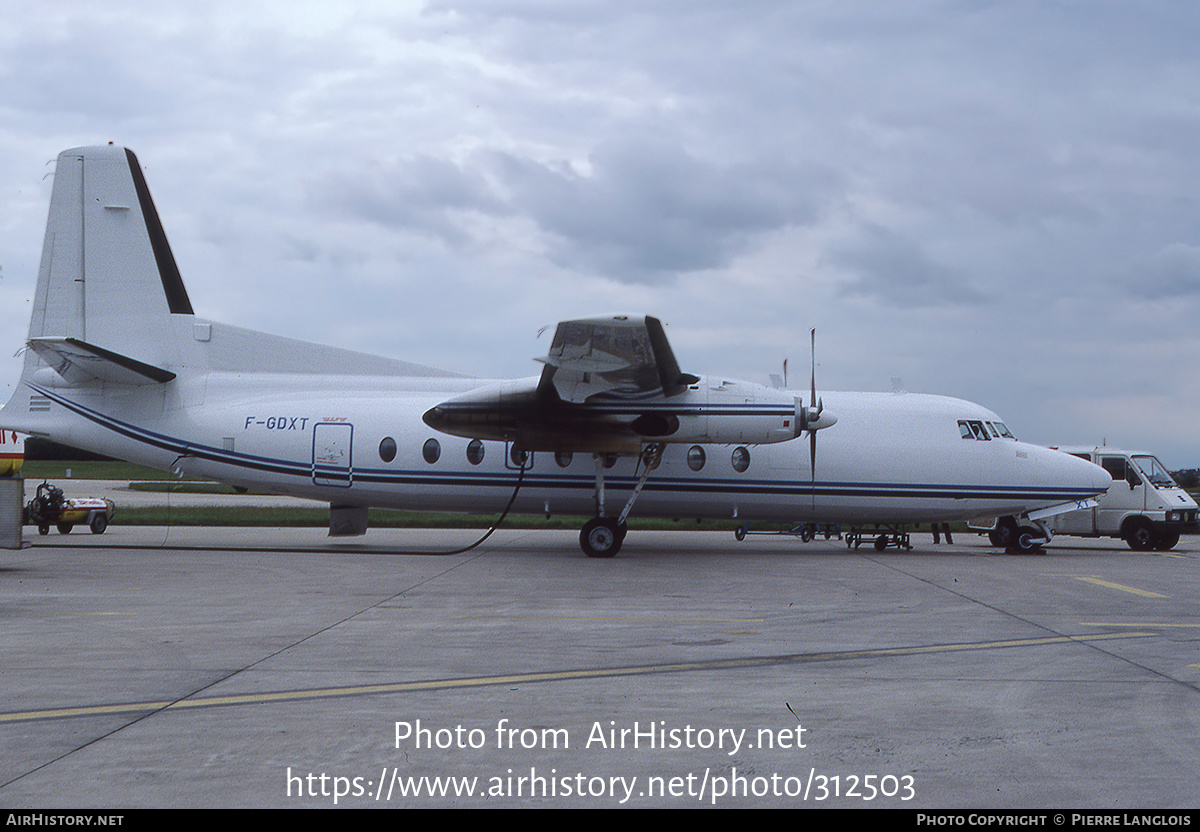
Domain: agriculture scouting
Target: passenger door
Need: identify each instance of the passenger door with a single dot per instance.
(332, 454)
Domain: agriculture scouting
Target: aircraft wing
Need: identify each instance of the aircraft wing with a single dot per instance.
(624, 357)
(594, 367)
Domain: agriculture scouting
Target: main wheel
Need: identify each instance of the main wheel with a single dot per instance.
(601, 537)
(1003, 534)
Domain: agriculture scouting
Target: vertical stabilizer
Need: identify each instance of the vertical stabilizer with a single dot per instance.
(107, 276)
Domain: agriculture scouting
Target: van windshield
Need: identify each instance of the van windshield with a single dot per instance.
(1153, 470)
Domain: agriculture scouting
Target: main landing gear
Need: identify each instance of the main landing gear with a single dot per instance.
(602, 536)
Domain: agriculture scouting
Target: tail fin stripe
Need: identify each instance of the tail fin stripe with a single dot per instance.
(168, 271)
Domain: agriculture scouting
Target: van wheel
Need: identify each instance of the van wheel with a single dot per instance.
(1166, 541)
(1139, 535)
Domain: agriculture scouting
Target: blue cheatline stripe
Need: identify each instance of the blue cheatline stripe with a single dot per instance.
(414, 477)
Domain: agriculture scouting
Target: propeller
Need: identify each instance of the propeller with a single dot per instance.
(813, 418)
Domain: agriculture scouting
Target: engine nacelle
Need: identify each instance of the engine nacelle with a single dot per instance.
(708, 412)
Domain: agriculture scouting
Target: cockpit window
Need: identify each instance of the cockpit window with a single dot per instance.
(971, 429)
(978, 429)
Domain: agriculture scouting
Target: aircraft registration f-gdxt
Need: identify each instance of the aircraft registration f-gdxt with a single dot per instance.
(118, 363)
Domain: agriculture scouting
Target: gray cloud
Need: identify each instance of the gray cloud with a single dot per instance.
(896, 272)
(647, 209)
(1020, 159)
(1171, 272)
(423, 194)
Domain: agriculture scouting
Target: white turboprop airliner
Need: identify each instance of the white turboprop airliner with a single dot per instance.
(117, 363)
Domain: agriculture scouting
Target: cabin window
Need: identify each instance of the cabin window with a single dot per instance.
(696, 457)
(475, 452)
(387, 449)
(520, 458)
(431, 450)
(740, 459)
(563, 458)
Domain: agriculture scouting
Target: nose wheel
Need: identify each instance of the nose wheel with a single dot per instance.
(601, 537)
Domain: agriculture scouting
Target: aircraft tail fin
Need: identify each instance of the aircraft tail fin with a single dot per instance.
(111, 312)
(108, 283)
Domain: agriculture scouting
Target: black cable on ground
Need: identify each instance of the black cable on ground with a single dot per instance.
(486, 535)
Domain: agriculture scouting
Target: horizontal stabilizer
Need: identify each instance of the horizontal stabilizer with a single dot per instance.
(78, 362)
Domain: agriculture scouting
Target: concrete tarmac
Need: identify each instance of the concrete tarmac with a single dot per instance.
(249, 667)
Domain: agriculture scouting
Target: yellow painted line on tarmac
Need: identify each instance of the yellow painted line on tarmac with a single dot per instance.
(609, 618)
(1092, 579)
(1133, 624)
(547, 676)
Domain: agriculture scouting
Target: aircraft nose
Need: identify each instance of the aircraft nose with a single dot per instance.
(1088, 478)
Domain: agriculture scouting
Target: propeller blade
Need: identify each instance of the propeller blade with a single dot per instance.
(812, 434)
(812, 460)
(813, 352)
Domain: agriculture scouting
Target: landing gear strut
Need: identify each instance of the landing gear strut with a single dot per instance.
(602, 536)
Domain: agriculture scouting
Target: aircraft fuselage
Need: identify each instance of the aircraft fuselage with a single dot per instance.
(355, 440)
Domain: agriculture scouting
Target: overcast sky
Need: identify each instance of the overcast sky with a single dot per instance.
(991, 200)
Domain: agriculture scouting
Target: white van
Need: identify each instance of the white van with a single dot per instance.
(1144, 506)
